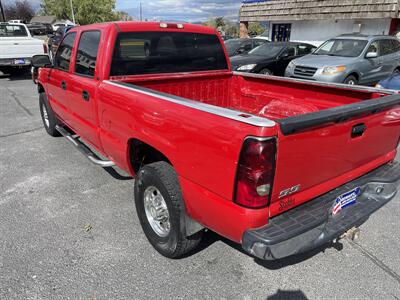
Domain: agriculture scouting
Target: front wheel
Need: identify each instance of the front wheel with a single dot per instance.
(266, 71)
(161, 210)
(350, 80)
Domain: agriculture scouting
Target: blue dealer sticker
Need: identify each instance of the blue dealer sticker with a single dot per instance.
(345, 200)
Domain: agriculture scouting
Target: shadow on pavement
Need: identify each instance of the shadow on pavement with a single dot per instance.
(14, 75)
(288, 295)
(210, 238)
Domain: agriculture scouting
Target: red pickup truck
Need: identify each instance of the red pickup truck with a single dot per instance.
(279, 165)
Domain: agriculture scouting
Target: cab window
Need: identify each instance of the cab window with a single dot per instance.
(64, 52)
(87, 53)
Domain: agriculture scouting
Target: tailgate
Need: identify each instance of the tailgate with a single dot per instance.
(320, 151)
(20, 47)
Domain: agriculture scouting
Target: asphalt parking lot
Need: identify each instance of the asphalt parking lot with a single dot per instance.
(68, 229)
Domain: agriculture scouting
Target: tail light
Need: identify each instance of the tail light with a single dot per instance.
(255, 173)
(45, 48)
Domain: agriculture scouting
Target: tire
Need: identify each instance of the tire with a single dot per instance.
(167, 236)
(351, 80)
(266, 71)
(51, 55)
(48, 117)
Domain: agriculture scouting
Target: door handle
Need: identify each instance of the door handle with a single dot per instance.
(85, 95)
(358, 130)
(63, 85)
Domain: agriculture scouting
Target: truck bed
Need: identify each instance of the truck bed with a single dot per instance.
(273, 98)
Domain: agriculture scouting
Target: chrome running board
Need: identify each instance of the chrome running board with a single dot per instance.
(84, 149)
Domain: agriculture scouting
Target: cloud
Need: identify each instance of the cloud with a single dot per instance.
(173, 10)
(181, 10)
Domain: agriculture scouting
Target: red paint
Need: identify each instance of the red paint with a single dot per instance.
(394, 24)
(204, 148)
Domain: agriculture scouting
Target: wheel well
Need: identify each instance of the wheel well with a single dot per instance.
(40, 88)
(355, 75)
(141, 154)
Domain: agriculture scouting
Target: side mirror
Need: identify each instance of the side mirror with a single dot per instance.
(41, 61)
(371, 55)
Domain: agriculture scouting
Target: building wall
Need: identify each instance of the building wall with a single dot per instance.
(317, 31)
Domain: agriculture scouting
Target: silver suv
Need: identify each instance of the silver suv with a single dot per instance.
(350, 59)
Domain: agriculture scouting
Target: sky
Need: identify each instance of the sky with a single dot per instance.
(175, 10)
(181, 10)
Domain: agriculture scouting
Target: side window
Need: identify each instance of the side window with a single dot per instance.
(258, 43)
(374, 47)
(303, 49)
(290, 51)
(64, 52)
(247, 46)
(87, 53)
(396, 45)
(386, 47)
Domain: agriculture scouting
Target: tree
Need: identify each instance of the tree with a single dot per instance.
(86, 11)
(21, 10)
(255, 28)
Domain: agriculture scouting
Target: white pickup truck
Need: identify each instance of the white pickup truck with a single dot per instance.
(17, 47)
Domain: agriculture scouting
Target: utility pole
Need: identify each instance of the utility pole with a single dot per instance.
(2, 11)
(141, 12)
(72, 11)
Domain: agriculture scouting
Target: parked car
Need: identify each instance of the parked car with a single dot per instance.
(37, 28)
(62, 24)
(15, 21)
(241, 46)
(17, 47)
(350, 59)
(279, 165)
(270, 58)
(54, 40)
(392, 82)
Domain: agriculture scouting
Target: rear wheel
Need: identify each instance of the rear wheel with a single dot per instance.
(351, 80)
(48, 117)
(161, 210)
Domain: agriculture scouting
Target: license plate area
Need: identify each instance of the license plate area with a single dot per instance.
(19, 61)
(345, 200)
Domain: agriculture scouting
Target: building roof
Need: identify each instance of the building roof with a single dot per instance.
(44, 19)
(289, 10)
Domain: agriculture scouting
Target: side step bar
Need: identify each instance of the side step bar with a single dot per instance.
(84, 149)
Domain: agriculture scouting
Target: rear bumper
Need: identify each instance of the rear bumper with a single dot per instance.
(10, 62)
(312, 224)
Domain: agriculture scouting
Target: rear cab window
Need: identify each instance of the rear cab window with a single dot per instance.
(138, 53)
(87, 53)
(63, 56)
(12, 30)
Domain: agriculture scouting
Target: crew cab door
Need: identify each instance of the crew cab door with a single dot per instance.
(82, 93)
(58, 80)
